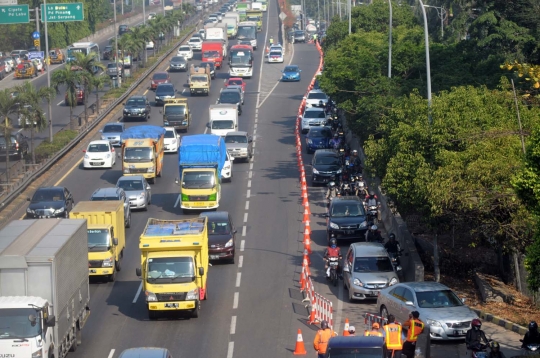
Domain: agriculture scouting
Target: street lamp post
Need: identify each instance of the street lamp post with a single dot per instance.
(390, 42)
(49, 105)
(116, 46)
(349, 7)
(144, 12)
(441, 12)
(428, 67)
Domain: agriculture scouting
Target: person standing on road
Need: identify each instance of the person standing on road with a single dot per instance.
(320, 343)
(393, 337)
(414, 328)
(374, 331)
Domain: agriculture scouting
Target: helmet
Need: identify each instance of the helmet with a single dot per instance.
(375, 325)
(374, 227)
(533, 326)
(335, 135)
(495, 346)
(332, 184)
(371, 193)
(476, 324)
(354, 152)
(333, 242)
(391, 237)
(324, 324)
(352, 329)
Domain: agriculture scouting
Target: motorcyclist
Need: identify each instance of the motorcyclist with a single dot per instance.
(475, 336)
(531, 337)
(371, 199)
(373, 234)
(332, 251)
(332, 191)
(356, 162)
(496, 351)
(321, 104)
(361, 187)
(392, 246)
(335, 142)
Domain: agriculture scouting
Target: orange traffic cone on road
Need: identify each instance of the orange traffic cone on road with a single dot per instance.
(306, 207)
(299, 349)
(306, 257)
(346, 328)
(306, 216)
(307, 227)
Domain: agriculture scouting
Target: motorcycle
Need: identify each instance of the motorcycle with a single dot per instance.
(333, 264)
(361, 188)
(346, 189)
(374, 213)
(394, 258)
(531, 349)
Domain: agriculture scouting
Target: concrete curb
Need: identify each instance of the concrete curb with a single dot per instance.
(511, 326)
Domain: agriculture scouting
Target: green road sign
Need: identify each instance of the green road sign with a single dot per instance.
(14, 14)
(63, 12)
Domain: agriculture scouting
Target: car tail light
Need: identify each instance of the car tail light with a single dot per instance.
(17, 145)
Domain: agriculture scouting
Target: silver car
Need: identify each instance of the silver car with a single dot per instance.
(239, 145)
(137, 190)
(111, 194)
(366, 270)
(439, 307)
(112, 132)
(239, 89)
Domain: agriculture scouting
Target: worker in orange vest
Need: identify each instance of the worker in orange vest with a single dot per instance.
(414, 328)
(393, 337)
(320, 343)
(374, 331)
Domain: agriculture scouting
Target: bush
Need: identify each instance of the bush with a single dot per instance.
(46, 149)
(532, 264)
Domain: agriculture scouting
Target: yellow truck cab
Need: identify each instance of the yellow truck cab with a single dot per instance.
(106, 235)
(142, 151)
(174, 265)
(199, 80)
(176, 113)
(255, 16)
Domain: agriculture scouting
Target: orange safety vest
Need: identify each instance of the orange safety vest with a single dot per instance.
(393, 336)
(415, 327)
(320, 343)
(373, 334)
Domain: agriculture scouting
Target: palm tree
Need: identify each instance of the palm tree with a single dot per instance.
(8, 106)
(138, 40)
(97, 83)
(88, 63)
(67, 76)
(32, 117)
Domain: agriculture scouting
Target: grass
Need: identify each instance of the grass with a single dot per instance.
(46, 149)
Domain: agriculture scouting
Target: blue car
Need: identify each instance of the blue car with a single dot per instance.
(318, 138)
(291, 74)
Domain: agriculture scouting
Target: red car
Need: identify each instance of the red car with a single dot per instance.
(236, 81)
(79, 94)
(159, 78)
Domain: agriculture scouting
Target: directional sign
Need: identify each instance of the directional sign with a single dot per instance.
(282, 16)
(36, 54)
(35, 35)
(14, 14)
(8, 2)
(37, 43)
(63, 12)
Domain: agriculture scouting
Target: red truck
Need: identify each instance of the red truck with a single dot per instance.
(212, 51)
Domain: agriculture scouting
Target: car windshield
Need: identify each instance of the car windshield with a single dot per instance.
(130, 185)
(218, 228)
(314, 114)
(198, 180)
(275, 53)
(194, 39)
(112, 129)
(178, 59)
(48, 195)
(170, 134)
(14, 323)
(164, 90)
(290, 69)
(135, 102)
(298, 33)
(184, 48)
(319, 133)
(222, 124)
(316, 95)
(347, 209)
(229, 97)
(159, 76)
(373, 264)
(199, 79)
(235, 82)
(98, 148)
(235, 139)
(438, 299)
(326, 160)
(137, 154)
(170, 270)
(355, 353)
(98, 240)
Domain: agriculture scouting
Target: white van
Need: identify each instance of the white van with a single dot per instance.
(223, 119)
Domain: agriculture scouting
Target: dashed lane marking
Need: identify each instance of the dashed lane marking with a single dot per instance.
(244, 230)
(235, 300)
(245, 217)
(249, 183)
(233, 325)
(177, 201)
(247, 205)
(137, 294)
(230, 350)
(111, 353)
(238, 278)
(248, 193)
(240, 261)
(242, 244)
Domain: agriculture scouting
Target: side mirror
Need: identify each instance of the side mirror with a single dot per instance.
(138, 272)
(201, 271)
(176, 181)
(115, 241)
(84, 151)
(409, 303)
(231, 159)
(326, 215)
(399, 268)
(235, 231)
(304, 97)
(463, 299)
(51, 321)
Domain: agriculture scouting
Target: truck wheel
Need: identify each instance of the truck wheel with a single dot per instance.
(79, 336)
(118, 265)
(152, 315)
(195, 313)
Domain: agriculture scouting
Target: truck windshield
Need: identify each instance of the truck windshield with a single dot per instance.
(210, 54)
(247, 33)
(138, 155)
(355, 352)
(199, 79)
(175, 110)
(98, 240)
(170, 270)
(222, 125)
(198, 180)
(14, 323)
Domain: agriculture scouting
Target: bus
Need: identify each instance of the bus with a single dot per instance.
(247, 30)
(241, 61)
(264, 5)
(83, 47)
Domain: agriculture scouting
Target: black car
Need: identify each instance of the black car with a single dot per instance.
(357, 347)
(50, 202)
(137, 107)
(178, 63)
(221, 236)
(326, 166)
(107, 53)
(164, 91)
(122, 29)
(231, 96)
(299, 36)
(212, 67)
(18, 147)
(346, 218)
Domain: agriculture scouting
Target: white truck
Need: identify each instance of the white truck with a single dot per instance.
(256, 6)
(44, 291)
(233, 15)
(218, 33)
(232, 26)
(223, 119)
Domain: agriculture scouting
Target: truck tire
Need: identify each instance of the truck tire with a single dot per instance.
(195, 313)
(118, 266)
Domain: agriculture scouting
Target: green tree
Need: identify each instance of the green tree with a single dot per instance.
(8, 106)
(97, 83)
(89, 64)
(71, 78)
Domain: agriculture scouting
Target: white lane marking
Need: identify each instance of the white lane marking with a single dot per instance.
(184, 90)
(256, 111)
(250, 174)
(111, 354)
(248, 194)
(238, 279)
(245, 217)
(240, 261)
(205, 130)
(59, 103)
(255, 127)
(233, 325)
(20, 130)
(177, 201)
(230, 350)
(235, 300)
(242, 244)
(244, 229)
(339, 308)
(262, 63)
(138, 293)
(254, 143)
(247, 205)
(251, 164)
(249, 183)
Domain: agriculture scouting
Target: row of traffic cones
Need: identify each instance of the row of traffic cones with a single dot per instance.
(300, 348)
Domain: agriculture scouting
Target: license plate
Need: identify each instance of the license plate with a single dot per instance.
(171, 305)
(93, 271)
(199, 204)
(373, 293)
(349, 232)
(333, 263)
(214, 257)
(44, 217)
(459, 333)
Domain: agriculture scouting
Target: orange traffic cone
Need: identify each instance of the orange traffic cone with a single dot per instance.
(306, 257)
(302, 282)
(307, 242)
(308, 227)
(299, 349)
(306, 206)
(306, 216)
(346, 328)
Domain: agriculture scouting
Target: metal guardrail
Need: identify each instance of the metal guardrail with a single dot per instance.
(29, 177)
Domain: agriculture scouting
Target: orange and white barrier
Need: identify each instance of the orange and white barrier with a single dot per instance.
(369, 319)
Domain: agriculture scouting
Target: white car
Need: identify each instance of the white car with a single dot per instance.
(185, 51)
(313, 117)
(150, 45)
(195, 43)
(151, 15)
(213, 18)
(99, 153)
(314, 97)
(172, 140)
(275, 57)
(226, 172)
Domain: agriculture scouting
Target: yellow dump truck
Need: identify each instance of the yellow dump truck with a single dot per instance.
(174, 265)
(256, 16)
(142, 151)
(176, 113)
(106, 235)
(56, 56)
(199, 80)
(25, 69)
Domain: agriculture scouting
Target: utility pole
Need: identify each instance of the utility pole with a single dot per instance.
(390, 42)
(349, 7)
(144, 13)
(117, 84)
(49, 107)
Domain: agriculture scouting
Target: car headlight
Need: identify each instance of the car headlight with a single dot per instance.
(108, 262)
(393, 281)
(358, 283)
(173, 141)
(103, 137)
(30, 211)
(228, 166)
(86, 156)
(433, 323)
(339, 171)
(193, 294)
(58, 211)
(150, 170)
(309, 141)
(37, 354)
(150, 296)
(315, 171)
(126, 171)
(142, 196)
(229, 243)
(334, 226)
(363, 225)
